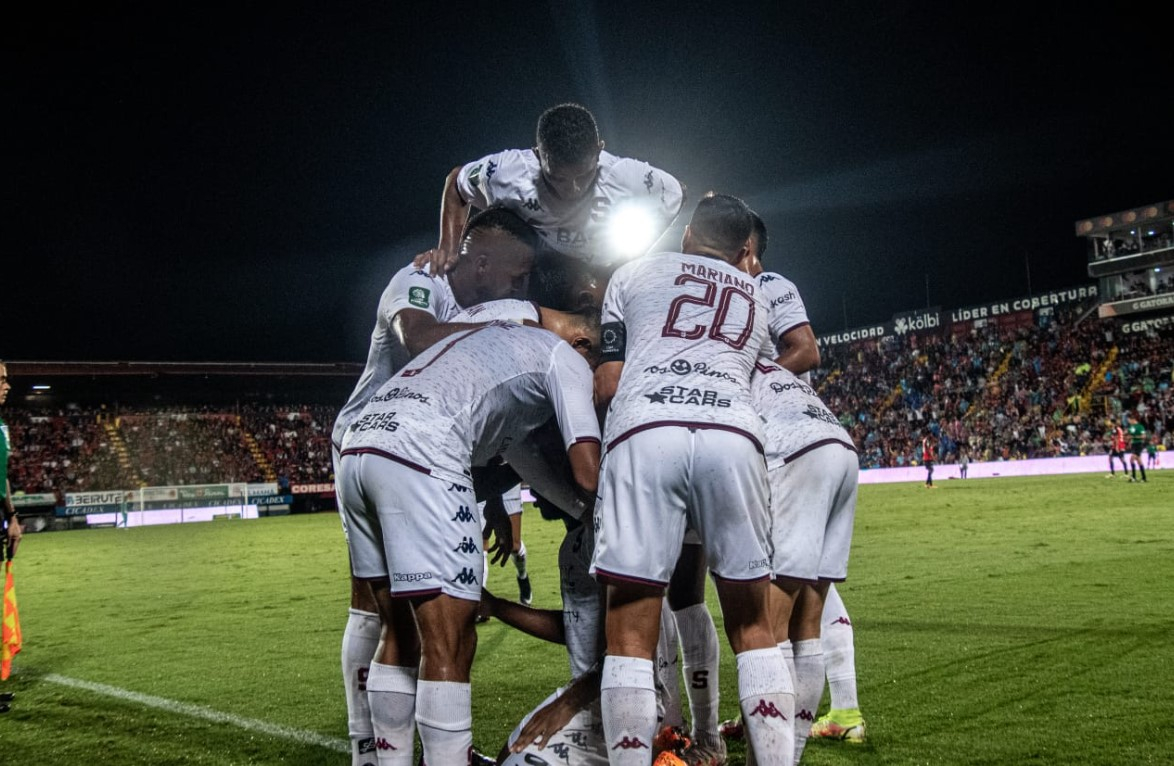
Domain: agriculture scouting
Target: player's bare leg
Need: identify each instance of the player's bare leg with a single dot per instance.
(360, 640)
(628, 688)
(448, 641)
(392, 681)
(766, 694)
(700, 655)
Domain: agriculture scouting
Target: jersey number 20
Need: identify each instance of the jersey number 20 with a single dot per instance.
(716, 330)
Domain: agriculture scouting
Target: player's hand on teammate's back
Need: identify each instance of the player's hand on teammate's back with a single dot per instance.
(497, 522)
(547, 721)
(436, 261)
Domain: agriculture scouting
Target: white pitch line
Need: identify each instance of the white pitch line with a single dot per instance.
(208, 714)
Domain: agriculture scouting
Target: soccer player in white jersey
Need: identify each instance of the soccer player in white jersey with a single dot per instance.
(813, 469)
(415, 310)
(795, 348)
(681, 333)
(569, 189)
(414, 531)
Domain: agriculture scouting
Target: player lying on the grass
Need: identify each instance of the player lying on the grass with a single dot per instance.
(414, 531)
(681, 334)
(415, 310)
(813, 469)
(569, 189)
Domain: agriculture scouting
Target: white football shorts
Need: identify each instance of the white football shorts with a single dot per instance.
(813, 507)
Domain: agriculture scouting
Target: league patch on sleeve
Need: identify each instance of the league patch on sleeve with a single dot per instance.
(418, 296)
(475, 176)
(613, 342)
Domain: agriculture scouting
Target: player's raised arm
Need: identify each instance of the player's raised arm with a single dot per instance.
(798, 351)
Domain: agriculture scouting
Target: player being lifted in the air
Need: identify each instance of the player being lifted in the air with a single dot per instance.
(570, 190)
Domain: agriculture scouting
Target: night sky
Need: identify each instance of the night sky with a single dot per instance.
(238, 183)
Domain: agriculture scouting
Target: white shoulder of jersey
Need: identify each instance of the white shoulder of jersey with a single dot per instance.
(626, 179)
(787, 310)
(496, 176)
(499, 311)
(413, 288)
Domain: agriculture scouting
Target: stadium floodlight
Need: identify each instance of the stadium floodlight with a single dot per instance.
(631, 230)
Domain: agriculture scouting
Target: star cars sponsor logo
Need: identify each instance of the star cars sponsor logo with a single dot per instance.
(818, 413)
(411, 576)
(685, 367)
(418, 296)
(685, 395)
(382, 421)
(401, 393)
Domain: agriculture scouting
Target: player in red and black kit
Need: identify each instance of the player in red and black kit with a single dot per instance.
(1117, 450)
(929, 449)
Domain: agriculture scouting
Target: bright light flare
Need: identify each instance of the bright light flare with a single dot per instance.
(631, 230)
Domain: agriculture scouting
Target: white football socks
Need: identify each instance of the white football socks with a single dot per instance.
(359, 642)
(391, 690)
(839, 653)
(700, 658)
(767, 699)
(628, 704)
(808, 689)
(668, 669)
(444, 716)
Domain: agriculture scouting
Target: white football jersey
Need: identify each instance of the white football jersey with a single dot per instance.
(694, 327)
(505, 310)
(793, 416)
(410, 288)
(786, 306)
(466, 399)
(576, 228)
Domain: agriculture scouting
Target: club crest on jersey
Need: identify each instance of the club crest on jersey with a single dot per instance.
(418, 296)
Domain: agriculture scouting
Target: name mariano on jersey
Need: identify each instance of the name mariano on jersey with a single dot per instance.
(690, 327)
(573, 227)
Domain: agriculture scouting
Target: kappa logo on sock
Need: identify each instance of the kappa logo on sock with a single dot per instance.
(841, 621)
(382, 744)
(805, 715)
(366, 745)
(629, 743)
(767, 710)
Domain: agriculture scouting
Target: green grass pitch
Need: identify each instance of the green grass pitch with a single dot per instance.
(998, 621)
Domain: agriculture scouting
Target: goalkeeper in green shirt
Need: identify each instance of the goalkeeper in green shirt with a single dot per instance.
(1137, 440)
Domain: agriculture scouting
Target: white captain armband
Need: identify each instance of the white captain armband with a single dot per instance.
(613, 342)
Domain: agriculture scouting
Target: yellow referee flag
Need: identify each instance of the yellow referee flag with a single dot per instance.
(10, 628)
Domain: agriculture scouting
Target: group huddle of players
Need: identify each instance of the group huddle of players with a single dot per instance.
(651, 403)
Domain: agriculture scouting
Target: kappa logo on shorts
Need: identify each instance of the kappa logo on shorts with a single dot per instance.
(418, 296)
(578, 739)
(841, 620)
(411, 576)
(767, 710)
(464, 515)
(562, 750)
(466, 577)
(467, 546)
(805, 715)
(454, 487)
(532, 204)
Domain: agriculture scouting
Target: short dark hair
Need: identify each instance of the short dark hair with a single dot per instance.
(498, 217)
(722, 222)
(759, 235)
(567, 134)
